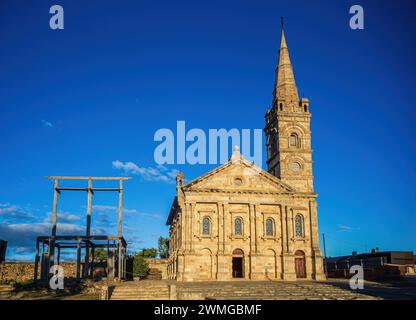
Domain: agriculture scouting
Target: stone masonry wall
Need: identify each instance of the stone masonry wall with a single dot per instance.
(23, 271)
(160, 264)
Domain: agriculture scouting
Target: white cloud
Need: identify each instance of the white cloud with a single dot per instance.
(126, 212)
(345, 228)
(12, 213)
(47, 124)
(160, 173)
(62, 217)
(101, 208)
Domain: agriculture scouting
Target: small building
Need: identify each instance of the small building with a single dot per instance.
(3, 247)
(376, 264)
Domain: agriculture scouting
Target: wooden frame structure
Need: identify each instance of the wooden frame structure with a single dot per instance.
(115, 244)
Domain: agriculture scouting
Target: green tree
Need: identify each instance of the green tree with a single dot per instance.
(163, 247)
(140, 266)
(100, 254)
(148, 252)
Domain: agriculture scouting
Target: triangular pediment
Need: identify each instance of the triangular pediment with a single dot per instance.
(239, 175)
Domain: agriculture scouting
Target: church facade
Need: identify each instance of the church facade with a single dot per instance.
(241, 222)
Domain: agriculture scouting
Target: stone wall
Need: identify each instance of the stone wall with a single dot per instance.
(160, 264)
(23, 271)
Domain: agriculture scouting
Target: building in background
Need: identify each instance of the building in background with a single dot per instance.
(376, 264)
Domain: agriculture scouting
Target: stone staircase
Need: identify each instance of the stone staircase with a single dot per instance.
(5, 291)
(276, 290)
(141, 290)
(154, 274)
(235, 290)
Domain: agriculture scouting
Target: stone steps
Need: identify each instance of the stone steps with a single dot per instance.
(159, 290)
(6, 291)
(263, 291)
(141, 291)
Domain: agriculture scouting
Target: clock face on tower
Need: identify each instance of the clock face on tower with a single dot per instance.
(295, 166)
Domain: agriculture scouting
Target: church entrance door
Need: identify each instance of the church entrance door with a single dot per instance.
(300, 264)
(238, 263)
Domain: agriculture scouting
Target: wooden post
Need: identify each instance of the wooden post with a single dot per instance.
(51, 248)
(35, 276)
(92, 262)
(78, 260)
(108, 259)
(120, 209)
(125, 263)
(49, 261)
(120, 229)
(59, 255)
(87, 251)
(55, 206)
(110, 263)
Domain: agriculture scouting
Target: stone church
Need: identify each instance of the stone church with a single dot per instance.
(239, 221)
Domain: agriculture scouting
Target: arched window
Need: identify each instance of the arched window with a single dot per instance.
(293, 140)
(305, 107)
(298, 226)
(281, 106)
(206, 225)
(269, 227)
(238, 227)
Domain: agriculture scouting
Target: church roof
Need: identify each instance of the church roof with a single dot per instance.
(238, 159)
(218, 180)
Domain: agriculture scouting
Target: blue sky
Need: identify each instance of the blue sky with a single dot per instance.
(73, 101)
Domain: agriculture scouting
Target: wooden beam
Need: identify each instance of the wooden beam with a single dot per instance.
(83, 238)
(86, 178)
(71, 189)
(86, 189)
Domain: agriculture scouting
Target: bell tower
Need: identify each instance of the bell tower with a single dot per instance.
(288, 133)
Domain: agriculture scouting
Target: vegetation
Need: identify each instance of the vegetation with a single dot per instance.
(140, 266)
(163, 247)
(148, 253)
(100, 255)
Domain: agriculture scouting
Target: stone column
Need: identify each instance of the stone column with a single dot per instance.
(191, 229)
(316, 254)
(288, 257)
(226, 264)
(222, 258)
(183, 214)
(258, 231)
(253, 240)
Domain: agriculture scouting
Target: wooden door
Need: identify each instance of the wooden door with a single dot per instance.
(300, 266)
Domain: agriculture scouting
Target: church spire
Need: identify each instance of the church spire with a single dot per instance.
(285, 86)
